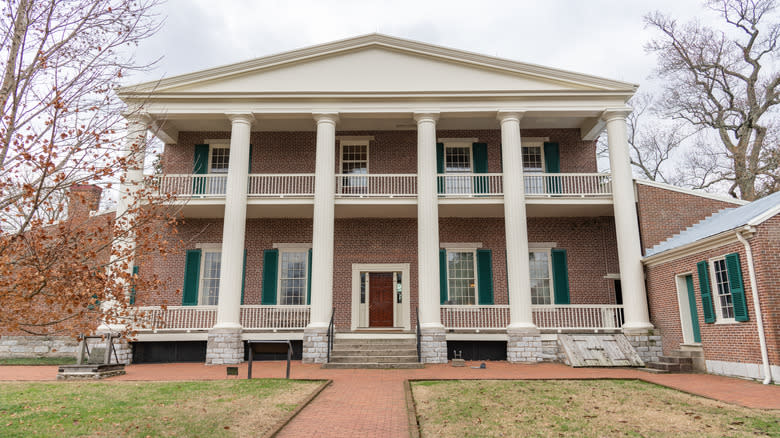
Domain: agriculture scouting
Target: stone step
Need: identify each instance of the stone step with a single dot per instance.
(670, 367)
(653, 370)
(675, 360)
(392, 343)
(687, 353)
(372, 365)
(376, 359)
(374, 352)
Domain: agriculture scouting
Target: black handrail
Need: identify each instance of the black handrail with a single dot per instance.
(330, 333)
(419, 351)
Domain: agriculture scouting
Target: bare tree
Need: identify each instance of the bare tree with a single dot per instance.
(726, 80)
(61, 125)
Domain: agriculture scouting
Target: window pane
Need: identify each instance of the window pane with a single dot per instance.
(540, 277)
(354, 161)
(457, 160)
(532, 158)
(723, 290)
(210, 278)
(460, 278)
(220, 157)
(293, 271)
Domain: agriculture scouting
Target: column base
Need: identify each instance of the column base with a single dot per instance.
(315, 345)
(224, 347)
(647, 343)
(524, 345)
(433, 345)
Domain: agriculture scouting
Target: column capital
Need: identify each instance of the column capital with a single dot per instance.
(240, 117)
(504, 115)
(326, 117)
(141, 117)
(611, 114)
(427, 116)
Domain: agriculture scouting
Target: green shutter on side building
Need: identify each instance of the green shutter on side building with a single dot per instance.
(270, 269)
(704, 289)
(560, 276)
(191, 278)
(485, 276)
(737, 287)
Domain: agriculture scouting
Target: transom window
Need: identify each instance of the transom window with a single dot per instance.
(723, 291)
(293, 271)
(541, 292)
(210, 271)
(461, 279)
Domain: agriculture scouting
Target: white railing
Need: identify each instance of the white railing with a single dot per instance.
(584, 185)
(458, 185)
(475, 317)
(206, 185)
(274, 317)
(176, 318)
(281, 185)
(578, 316)
(376, 186)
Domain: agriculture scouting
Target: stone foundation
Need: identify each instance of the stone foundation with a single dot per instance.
(315, 345)
(646, 343)
(551, 350)
(224, 347)
(433, 345)
(525, 346)
(38, 346)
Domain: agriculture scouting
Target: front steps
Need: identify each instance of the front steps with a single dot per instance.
(374, 353)
(678, 361)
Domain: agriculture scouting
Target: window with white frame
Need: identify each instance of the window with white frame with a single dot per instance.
(541, 280)
(293, 273)
(457, 159)
(533, 162)
(219, 159)
(723, 298)
(461, 276)
(209, 277)
(354, 161)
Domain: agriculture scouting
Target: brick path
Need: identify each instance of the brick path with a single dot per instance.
(371, 402)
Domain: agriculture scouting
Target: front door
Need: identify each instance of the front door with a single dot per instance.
(380, 300)
(689, 317)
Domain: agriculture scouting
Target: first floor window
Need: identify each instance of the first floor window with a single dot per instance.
(723, 297)
(461, 280)
(210, 272)
(292, 277)
(541, 290)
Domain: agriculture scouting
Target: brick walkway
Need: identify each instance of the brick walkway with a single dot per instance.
(371, 402)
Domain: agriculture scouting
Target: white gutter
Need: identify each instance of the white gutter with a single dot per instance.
(757, 305)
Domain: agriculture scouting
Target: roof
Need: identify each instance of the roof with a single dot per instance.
(751, 214)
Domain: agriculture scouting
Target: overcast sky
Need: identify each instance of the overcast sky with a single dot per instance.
(600, 37)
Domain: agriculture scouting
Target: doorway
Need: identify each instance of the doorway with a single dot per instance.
(689, 316)
(380, 297)
(380, 300)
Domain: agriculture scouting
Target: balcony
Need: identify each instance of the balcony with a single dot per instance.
(569, 317)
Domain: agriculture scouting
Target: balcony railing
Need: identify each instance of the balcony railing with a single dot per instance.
(460, 185)
(583, 185)
(281, 185)
(185, 318)
(206, 185)
(376, 186)
(558, 317)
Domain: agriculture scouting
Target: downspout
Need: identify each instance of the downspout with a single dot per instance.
(757, 305)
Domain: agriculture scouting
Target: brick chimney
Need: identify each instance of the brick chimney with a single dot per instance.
(82, 199)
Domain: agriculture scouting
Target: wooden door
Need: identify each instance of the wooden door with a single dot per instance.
(380, 300)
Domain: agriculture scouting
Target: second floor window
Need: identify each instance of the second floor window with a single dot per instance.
(457, 160)
(220, 158)
(354, 161)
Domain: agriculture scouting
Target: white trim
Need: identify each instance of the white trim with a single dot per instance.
(716, 197)
(348, 138)
(209, 141)
(683, 304)
(534, 141)
(712, 242)
(209, 249)
(475, 268)
(363, 142)
(208, 246)
(542, 245)
(763, 217)
(719, 319)
(401, 313)
(457, 140)
(612, 276)
(548, 251)
(292, 249)
(460, 245)
(290, 246)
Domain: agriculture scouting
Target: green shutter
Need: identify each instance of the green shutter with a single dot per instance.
(270, 269)
(189, 296)
(480, 154)
(250, 159)
(692, 306)
(552, 164)
(737, 287)
(200, 167)
(442, 276)
(243, 278)
(560, 271)
(440, 166)
(132, 286)
(704, 289)
(485, 276)
(308, 281)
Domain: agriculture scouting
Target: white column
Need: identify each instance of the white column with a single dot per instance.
(515, 223)
(626, 223)
(322, 227)
(427, 222)
(234, 226)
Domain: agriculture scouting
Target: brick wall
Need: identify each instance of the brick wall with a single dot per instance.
(734, 342)
(663, 213)
(389, 152)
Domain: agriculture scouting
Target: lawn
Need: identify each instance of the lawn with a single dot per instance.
(38, 361)
(591, 408)
(134, 409)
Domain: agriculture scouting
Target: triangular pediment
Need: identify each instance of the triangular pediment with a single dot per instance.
(377, 64)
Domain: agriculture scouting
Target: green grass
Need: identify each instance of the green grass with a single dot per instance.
(590, 408)
(38, 361)
(140, 409)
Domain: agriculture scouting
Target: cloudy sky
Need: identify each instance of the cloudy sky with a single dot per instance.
(600, 37)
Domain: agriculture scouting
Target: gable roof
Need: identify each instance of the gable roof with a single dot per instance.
(444, 56)
(751, 214)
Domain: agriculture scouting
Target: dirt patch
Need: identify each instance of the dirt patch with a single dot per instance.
(579, 408)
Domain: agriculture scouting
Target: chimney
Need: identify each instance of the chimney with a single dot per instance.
(82, 199)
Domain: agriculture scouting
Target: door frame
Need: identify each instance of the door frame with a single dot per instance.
(401, 311)
(683, 302)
